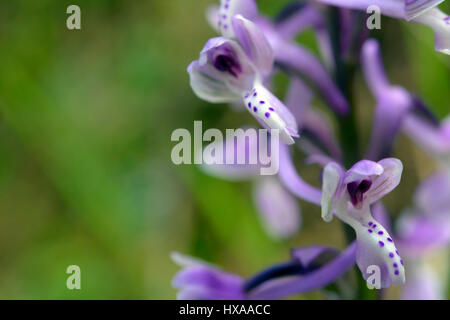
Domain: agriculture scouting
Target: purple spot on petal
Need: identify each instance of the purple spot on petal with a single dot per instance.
(261, 102)
(225, 26)
(271, 109)
(267, 114)
(255, 109)
(380, 232)
(381, 243)
(370, 231)
(396, 272)
(389, 239)
(391, 255)
(401, 261)
(374, 226)
(395, 265)
(370, 223)
(255, 94)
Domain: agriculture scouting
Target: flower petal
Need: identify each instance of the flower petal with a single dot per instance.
(375, 247)
(440, 22)
(415, 8)
(241, 163)
(433, 194)
(208, 85)
(393, 8)
(319, 278)
(230, 8)
(212, 16)
(363, 169)
(314, 255)
(300, 61)
(422, 284)
(419, 234)
(205, 283)
(387, 181)
(200, 280)
(254, 43)
(280, 211)
(271, 112)
(293, 182)
(332, 179)
(227, 60)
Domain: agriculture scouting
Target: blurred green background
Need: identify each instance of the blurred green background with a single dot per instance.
(85, 170)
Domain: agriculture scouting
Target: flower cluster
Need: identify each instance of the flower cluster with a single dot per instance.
(237, 68)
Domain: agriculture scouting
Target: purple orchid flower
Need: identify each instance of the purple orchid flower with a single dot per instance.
(310, 268)
(199, 280)
(230, 71)
(395, 110)
(435, 139)
(425, 230)
(348, 195)
(393, 102)
(420, 11)
(287, 53)
(278, 209)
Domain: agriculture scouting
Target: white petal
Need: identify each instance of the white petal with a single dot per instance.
(332, 176)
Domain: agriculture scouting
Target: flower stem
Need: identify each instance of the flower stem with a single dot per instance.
(344, 77)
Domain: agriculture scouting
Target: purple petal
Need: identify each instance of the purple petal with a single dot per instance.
(415, 8)
(363, 169)
(241, 162)
(294, 285)
(199, 280)
(419, 234)
(393, 8)
(422, 284)
(298, 99)
(433, 194)
(310, 255)
(387, 181)
(293, 182)
(435, 140)
(373, 67)
(302, 61)
(280, 211)
(254, 43)
(392, 102)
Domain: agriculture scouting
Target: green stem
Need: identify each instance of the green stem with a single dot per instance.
(344, 77)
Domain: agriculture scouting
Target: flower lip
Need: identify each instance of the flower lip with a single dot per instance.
(356, 191)
(227, 63)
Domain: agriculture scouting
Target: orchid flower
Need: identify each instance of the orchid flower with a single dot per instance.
(287, 53)
(279, 211)
(348, 195)
(199, 280)
(435, 139)
(309, 268)
(395, 110)
(230, 71)
(419, 11)
(392, 102)
(425, 230)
